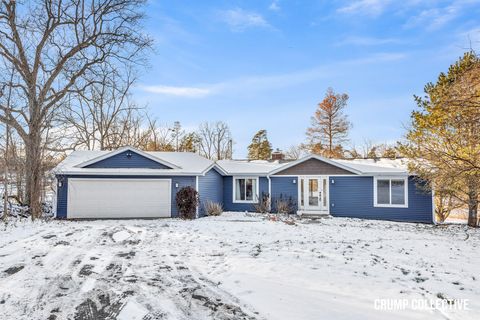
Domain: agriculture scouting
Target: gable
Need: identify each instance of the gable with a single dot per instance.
(127, 159)
(313, 167)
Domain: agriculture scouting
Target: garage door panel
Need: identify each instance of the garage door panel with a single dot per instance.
(119, 198)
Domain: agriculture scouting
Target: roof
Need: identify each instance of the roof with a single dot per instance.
(246, 167)
(377, 167)
(188, 163)
(185, 163)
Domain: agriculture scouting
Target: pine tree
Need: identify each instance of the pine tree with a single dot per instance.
(189, 142)
(329, 128)
(260, 148)
(444, 139)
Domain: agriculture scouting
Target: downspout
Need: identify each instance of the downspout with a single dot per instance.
(434, 216)
(269, 193)
(198, 192)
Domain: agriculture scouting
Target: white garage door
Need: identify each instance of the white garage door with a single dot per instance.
(118, 198)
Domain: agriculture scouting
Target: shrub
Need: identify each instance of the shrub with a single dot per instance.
(285, 205)
(187, 202)
(213, 208)
(263, 206)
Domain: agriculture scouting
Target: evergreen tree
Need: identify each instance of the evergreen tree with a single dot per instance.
(444, 139)
(189, 142)
(260, 148)
(329, 128)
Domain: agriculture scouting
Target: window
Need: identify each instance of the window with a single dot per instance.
(390, 192)
(245, 190)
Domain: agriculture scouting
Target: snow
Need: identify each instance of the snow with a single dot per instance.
(249, 167)
(185, 162)
(236, 266)
(121, 236)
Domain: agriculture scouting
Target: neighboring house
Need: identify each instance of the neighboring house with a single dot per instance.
(129, 183)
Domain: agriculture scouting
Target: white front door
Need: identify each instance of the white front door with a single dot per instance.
(313, 193)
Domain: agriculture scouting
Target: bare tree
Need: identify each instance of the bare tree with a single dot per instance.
(93, 113)
(158, 137)
(215, 140)
(329, 128)
(56, 47)
(295, 152)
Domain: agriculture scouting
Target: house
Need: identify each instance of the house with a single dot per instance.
(130, 183)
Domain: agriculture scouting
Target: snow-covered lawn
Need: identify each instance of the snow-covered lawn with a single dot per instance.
(236, 267)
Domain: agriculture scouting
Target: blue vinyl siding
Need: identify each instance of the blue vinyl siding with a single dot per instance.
(228, 195)
(284, 188)
(210, 188)
(62, 192)
(353, 197)
(121, 160)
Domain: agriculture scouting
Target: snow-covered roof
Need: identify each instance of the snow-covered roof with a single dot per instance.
(377, 167)
(186, 163)
(246, 167)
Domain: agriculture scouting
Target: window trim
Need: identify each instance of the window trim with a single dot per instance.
(256, 195)
(390, 205)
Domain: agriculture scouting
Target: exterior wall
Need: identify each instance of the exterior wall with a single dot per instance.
(353, 197)
(313, 167)
(62, 192)
(210, 188)
(122, 161)
(228, 195)
(284, 188)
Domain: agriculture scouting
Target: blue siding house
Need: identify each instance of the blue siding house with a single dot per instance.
(130, 183)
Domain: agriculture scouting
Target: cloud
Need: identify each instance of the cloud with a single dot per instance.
(470, 39)
(368, 7)
(239, 20)
(434, 18)
(274, 6)
(189, 92)
(367, 41)
(250, 84)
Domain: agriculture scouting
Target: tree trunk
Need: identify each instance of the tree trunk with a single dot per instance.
(472, 204)
(5, 186)
(33, 172)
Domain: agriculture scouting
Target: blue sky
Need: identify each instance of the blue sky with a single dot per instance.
(266, 64)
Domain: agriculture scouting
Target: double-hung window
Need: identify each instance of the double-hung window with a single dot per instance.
(245, 189)
(390, 192)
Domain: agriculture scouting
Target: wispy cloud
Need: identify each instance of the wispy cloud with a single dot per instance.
(436, 17)
(239, 20)
(274, 6)
(429, 14)
(189, 92)
(368, 7)
(469, 39)
(258, 83)
(367, 41)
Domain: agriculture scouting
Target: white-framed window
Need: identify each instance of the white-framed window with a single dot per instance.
(245, 190)
(390, 192)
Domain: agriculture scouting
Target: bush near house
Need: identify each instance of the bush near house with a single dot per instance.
(213, 208)
(187, 202)
(284, 204)
(263, 206)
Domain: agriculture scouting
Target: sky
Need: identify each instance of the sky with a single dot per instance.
(266, 64)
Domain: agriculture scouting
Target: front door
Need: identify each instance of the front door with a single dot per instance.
(314, 194)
